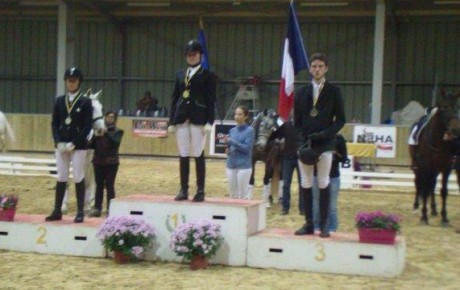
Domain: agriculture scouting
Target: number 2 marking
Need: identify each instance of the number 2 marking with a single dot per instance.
(42, 237)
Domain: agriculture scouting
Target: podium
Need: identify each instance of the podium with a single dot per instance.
(238, 220)
(30, 233)
(247, 241)
(340, 254)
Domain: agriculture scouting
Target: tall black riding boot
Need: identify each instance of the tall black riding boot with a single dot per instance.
(324, 197)
(200, 166)
(307, 228)
(56, 215)
(80, 193)
(184, 166)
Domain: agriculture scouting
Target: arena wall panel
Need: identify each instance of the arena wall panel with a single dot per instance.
(33, 133)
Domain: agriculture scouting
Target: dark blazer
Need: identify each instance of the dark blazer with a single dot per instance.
(199, 106)
(77, 131)
(330, 118)
(106, 147)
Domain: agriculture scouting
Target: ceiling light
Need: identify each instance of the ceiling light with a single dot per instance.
(148, 4)
(447, 2)
(323, 4)
(38, 3)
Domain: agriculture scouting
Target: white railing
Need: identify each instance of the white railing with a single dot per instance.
(362, 179)
(17, 165)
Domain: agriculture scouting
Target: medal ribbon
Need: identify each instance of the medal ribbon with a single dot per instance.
(70, 106)
(316, 97)
(187, 79)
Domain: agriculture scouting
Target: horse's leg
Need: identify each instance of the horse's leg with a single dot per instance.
(267, 186)
(417, 190)
(424, 179)
(444, 193)
(251, 180)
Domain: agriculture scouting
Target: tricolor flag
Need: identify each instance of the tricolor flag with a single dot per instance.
(294, 60)
(202, 40)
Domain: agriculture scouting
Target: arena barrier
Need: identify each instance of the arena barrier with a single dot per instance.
(368, 180)
(17, 165)
(247, 241)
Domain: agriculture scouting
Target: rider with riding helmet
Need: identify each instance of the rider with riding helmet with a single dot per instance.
(71, 124)
(192, 116)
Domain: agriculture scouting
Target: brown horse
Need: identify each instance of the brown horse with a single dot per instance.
(434, 154)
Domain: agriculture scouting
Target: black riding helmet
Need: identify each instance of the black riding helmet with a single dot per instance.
(193, 46)
(73, 72)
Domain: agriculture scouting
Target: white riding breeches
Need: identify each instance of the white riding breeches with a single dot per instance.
(238, 182)
(191, 139)
(323, 170)
(63, 160)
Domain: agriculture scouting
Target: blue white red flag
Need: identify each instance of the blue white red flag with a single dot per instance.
(294, 60)
(202, 40)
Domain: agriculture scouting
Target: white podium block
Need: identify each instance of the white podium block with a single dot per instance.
(340, 254)
(238, 220)
(30, 233)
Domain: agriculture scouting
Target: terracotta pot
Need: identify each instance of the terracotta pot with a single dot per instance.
(7, 214)
(121, 258)
(198, 262)
(377, 236)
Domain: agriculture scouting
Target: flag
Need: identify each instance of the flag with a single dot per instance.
(294, 60)
(202, 40)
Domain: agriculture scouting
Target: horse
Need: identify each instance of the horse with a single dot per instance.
(434, 154)
(266, 149)
(7, 136)
(98, 128)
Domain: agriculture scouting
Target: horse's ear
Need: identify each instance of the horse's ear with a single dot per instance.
(265, 112)
(89, 92)
(98, 94)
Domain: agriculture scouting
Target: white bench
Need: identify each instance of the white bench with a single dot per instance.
(18, 165)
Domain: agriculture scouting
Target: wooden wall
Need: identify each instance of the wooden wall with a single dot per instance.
(33, 133)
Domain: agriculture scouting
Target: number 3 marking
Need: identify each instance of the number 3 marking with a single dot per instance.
(321, 254)
(42, 237)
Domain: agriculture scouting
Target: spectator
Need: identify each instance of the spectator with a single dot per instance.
(239, 150)
(106, 162)
(147, 105)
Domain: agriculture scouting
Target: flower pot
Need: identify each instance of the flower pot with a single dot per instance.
(121, 258)
(198, 262)
(377, 236)
(7, 214)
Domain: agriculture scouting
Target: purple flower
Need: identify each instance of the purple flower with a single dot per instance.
(201, 237)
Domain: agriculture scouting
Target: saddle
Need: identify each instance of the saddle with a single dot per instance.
(421, 124)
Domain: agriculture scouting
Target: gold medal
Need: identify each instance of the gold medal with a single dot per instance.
(68, 120)
(186, 94)
(314, 112)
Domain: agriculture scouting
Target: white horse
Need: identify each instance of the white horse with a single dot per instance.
(99, 128)
(6, 133)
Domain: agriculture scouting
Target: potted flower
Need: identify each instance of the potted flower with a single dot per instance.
(377, 227)
(8, 205)
(196, 242)
(128, 237)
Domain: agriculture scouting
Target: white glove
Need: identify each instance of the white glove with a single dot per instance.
(61, 147)
(207, 128)
(171, 128)
(69, 147)
(100, 131)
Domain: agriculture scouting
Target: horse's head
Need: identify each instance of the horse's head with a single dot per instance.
(448, 110)
(264, 124)
(98, 117)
